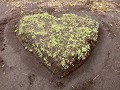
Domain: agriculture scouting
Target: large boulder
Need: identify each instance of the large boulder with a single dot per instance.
(63, 43)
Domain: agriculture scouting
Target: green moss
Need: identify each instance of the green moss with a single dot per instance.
(62, 39)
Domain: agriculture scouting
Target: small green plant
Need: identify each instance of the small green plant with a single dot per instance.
(62, 39)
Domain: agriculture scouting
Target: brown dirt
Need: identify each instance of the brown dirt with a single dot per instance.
(1, 62)
(100, 72)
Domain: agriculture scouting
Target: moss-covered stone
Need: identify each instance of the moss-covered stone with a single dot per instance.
(60, 39)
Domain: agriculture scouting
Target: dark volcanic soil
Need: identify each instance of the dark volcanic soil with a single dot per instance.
(100, 72)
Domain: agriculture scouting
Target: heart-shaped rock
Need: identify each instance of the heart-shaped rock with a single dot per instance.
(63, 43)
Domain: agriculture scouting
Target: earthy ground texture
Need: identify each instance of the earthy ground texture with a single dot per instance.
(21, 70)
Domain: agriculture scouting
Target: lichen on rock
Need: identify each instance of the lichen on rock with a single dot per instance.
(60, 39)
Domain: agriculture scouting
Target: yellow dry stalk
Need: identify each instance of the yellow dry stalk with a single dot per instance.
(61, 3)
(102, 6)
(18, 4)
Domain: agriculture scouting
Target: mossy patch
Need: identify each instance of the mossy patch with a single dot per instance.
(60, 39)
